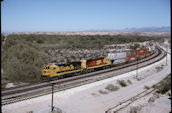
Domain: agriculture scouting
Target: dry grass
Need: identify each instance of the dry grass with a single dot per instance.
(165, 85)
(133, 109)
(159, 68)
(122, 83)
(129, 81)
(146, 87)
(103, 92)
(111, 87)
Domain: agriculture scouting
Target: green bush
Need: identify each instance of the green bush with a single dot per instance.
(164, 88)
(165, 85)
(111, 87)
(146, 87)
(122, 83)
(22, 61)
(129, 81)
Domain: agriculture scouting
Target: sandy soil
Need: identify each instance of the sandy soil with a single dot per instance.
(152, 103)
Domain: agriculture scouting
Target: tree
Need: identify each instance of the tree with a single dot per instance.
(135, 46)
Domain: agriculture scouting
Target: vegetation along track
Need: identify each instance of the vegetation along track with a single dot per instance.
(30, 91)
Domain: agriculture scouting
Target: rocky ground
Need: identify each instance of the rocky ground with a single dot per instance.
(68, 55)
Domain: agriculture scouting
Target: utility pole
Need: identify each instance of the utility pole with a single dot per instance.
(166, 45)
(166, 54)
(52, 107)
(137, 69)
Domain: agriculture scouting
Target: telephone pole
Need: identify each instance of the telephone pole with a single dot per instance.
(52, 107)
(166, 54)
(137, 69)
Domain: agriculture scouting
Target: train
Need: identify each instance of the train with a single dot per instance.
(52, 70)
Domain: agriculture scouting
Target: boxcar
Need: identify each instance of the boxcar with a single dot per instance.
(143, 52)
(117, 55)
(119, 61)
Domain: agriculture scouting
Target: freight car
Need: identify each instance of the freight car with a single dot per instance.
(113, 59)
(128, 55)
(117, 57)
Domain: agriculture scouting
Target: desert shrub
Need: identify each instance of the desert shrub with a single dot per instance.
(3, 85)
(82, 41)
(159, 68)
(165, 85)
(2, 38)
(135, 46)
(56, 110)
(164, 88)
(151, 99)
(22, 62)
(40, 41)
(122, 83)
(111, 87)
(73, 57)
(146, 87)
(103, 92)
(133, 109)
(129, 81)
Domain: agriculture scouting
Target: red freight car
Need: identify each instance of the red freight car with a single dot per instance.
(131, 55)
(143, 52)
(139, 53)
(93, 63)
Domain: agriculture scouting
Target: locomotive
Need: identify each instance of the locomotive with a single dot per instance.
(60, 70)
(113, 59)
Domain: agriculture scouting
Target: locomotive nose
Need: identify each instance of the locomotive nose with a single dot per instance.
(45, 72)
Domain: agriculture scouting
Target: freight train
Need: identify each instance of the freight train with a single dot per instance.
(88, 65)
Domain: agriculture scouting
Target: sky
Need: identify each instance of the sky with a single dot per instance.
(82, 15)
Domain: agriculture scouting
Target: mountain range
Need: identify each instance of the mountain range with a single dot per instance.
(147, 29)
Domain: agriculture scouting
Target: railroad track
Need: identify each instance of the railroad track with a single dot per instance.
(27, 92)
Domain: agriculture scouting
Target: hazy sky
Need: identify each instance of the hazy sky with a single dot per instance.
(78, 15)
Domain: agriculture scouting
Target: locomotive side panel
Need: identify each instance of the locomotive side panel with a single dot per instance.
(97, 62)
(69, 66)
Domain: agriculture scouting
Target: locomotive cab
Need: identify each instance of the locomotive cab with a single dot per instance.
(45, 70)
(53, 70)
(49, 70)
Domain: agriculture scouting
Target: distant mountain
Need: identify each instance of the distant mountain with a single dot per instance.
(148, 29)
